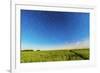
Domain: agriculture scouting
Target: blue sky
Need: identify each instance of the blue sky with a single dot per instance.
(45, 29)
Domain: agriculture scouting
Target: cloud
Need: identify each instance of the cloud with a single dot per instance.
(78, 44)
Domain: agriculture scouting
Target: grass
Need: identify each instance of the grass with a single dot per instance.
(28, 56)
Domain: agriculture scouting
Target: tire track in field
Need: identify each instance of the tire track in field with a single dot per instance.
(80, 55)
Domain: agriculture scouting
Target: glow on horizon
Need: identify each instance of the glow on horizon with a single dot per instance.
(73, 45)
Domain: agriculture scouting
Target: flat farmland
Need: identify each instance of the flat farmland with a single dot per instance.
(28, 56)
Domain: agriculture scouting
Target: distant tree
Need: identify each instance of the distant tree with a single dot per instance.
(37, 50)
(28, 50)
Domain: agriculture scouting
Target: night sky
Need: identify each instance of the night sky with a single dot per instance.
(44, 29)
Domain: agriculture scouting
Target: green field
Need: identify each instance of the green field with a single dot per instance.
(28, 56)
